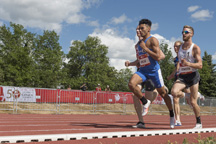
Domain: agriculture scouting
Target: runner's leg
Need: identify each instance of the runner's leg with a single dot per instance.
(193, 99)
(151, 95)
(133, 85)
(138, 107)
(177, 111)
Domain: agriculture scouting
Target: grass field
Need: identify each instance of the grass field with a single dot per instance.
(73, 108)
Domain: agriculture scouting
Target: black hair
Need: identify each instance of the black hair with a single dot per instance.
(145, 21)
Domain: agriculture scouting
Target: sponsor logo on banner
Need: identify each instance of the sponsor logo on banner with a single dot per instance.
(19, 94)
(159, 100)
(117, 97)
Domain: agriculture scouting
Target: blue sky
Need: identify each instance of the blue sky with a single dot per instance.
(115, 21)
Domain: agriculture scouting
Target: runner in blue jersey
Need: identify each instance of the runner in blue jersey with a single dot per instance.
(150, 91)
(148, 54)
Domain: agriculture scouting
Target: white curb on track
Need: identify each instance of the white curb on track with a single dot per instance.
(79, 136)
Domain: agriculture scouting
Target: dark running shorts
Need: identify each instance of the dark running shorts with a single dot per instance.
(148, 84)
(190, 79)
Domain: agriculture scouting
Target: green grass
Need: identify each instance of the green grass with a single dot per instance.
(206, 140)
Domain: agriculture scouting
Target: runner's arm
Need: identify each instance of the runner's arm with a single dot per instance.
(134, 63)
(172, 75)
(162, 55)
(155, 53)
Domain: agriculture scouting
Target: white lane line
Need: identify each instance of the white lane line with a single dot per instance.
(78, 136)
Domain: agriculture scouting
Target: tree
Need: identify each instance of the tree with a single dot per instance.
(167, 65)
(87, 62)
(122, 79)
(48, 57)
(208, 59)
(16, 48)
(208, 76)
(205, 76)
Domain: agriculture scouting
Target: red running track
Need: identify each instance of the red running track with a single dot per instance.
(40, 124)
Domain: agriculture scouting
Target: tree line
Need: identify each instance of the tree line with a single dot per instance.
(32, 60)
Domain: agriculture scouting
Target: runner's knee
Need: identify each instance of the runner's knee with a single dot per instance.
(163, 94)
(131, 85)
(193, 103)
(174, 92)
(155, 93)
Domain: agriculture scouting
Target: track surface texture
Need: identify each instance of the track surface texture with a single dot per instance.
(99, 129)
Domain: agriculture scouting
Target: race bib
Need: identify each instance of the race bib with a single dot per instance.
(186, 70)
(144, 60)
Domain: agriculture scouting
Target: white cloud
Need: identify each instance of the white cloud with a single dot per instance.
(123, 18)
(1, 23)
(120, 64)
(214, 56)
(202, 15)
(154, 26)
(121, 48)
(93, 23)
(193, 8)
(170, 42)
(76, 18)
(45, 14)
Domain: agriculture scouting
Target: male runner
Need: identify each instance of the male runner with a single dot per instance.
(189, 61)
(186, 92)
(150, 91)
(148, 53)
(174, 74)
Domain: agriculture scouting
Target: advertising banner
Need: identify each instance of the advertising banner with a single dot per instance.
(19, 94)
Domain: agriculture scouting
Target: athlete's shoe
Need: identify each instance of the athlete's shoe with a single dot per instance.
(146, 107)
(139, 125)
(198, 126)
(178, 123)
(172, 122)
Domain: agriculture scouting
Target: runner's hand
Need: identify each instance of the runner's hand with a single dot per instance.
(184, 62)
(127, 63)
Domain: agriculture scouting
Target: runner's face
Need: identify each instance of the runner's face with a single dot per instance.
(144, 29)
(176, 47)
(138, 31)
(186, 36)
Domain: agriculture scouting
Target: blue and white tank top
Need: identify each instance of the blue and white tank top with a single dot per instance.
(147, 63)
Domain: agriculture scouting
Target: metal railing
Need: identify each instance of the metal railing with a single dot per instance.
(57, 101)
